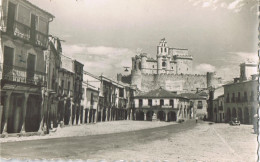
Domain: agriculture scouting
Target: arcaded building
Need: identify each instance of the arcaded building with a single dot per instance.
(241, 95)
(160, 104)
(171, 69)
(24, 34)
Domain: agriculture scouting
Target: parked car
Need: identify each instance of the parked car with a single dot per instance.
(234, 121)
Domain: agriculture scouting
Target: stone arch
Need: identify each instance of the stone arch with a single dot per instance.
(15, 115)
(33, 114)
(161, 115)
(246, 116)
(228, 115)
(149, 115)
(234, 113)
(140, 115)
(172, 116)
(240, 115)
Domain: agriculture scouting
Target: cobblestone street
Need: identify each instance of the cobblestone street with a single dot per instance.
(187, 141)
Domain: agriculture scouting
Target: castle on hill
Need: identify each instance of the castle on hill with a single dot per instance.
(172, 70)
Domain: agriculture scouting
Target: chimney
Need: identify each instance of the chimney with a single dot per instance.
(236, 80)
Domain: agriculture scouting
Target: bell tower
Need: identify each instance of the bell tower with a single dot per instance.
(162, 57)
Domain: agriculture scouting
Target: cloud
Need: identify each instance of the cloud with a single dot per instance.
(233, 5)
(229, 68)
(100, 59)
(206, 4)
(240, 57)
(204, 68)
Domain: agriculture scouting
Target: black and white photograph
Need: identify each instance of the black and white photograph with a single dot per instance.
(129, 80)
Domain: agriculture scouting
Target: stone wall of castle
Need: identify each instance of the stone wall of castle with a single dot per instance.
(173, 82)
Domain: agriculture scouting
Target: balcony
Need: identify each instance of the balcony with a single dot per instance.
(22, 75)
(26, 34)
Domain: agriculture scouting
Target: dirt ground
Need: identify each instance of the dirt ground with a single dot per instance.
(216, 142)
(93, 129)
(206, 142)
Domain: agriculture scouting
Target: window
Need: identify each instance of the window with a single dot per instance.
(238, 97)
(8, 61)
(245, 96)
(140, 102)
(163, 64)
(139, 65)
(161, 102)
(161, 50)
(91, 99)
(221, 106)
(172, 67)
(150, 102)
(62, 84)
(200, 105)
(252, 97)
(165, 49)
(68, 86)
(153, 66)
(43, 25)
(171, 103)
(24, 15)
(233, 97)
(82, 93)
(227, 99)
(121, 92)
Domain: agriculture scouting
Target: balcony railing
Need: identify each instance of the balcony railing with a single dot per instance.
(25, 33)
(20, 74)
(21, 31)
(158, 106)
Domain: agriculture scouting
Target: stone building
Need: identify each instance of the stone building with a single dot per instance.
(90, 97)
(66, 89)
(161, 105)
(77, 110)
(241, 100)
(24, 36)
(172, 70)
(213, 102)
(240, 96)
(218, 112)
(116, 100)
(198, 105)
(52, 97)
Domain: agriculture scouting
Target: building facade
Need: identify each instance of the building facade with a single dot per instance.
(52, 95)
(161, 105)
(198, 105)
(218, 111)
(24, 37)
(241, 95)
(90, 97)
(66, 89)
(241, 101)
(77, 109)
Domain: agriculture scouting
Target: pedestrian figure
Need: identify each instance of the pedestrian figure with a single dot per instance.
(196, 119)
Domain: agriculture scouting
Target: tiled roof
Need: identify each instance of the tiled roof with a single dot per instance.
(158, 93)
(192, 96)
(202, 93)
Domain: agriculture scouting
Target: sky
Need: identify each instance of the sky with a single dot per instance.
(105, 34)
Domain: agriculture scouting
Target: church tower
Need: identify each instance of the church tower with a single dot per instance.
(163, 58)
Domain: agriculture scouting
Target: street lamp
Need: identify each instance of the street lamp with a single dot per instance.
(126, 68)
